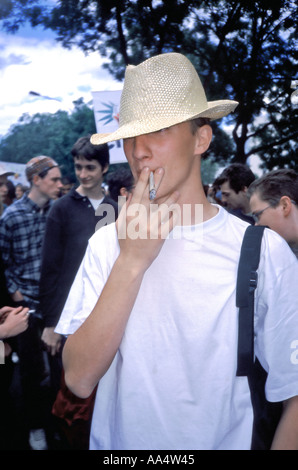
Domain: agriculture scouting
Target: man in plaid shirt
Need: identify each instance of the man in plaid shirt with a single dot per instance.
(22, 227)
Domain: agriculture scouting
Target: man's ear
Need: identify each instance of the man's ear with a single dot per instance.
(105, 169)
(286, 205)
(35, 179)
(204, 137)
(123, 191)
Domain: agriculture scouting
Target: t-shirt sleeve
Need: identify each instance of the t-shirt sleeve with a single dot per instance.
(276, 317)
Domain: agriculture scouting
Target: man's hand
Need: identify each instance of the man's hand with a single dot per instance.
(143, 227)
(51, 340)
(14, 321)
(17, 296)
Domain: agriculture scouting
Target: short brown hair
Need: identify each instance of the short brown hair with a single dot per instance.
(272, 186)
(198, 122)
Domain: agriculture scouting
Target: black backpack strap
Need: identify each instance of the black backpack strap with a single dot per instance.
(246, 284)
(266, 414)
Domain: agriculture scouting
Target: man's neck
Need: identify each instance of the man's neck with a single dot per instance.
(92, 193)
(39, 199)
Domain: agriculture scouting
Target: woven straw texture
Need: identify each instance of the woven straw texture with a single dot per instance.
(161, 92)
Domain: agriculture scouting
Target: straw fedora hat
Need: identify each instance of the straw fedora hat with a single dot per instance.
(160, 92)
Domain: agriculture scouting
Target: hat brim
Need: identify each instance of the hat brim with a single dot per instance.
(215, 110)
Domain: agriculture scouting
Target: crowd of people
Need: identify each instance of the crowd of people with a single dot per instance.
(43, 238)
(270, 200)
(130, 343)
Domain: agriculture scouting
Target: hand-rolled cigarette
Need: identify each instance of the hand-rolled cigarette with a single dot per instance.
(152, 190)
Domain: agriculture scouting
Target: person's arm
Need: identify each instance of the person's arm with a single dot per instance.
(286, 435)
(89, 352)
(17, 296)
(11, 271)
(51, 262)
(51, 340)
(51, 265)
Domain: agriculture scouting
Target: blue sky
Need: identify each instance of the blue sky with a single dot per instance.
(32, 60)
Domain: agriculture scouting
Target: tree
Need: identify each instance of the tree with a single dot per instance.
(48, 134)
(243, 50)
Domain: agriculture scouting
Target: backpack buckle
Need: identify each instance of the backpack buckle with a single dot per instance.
(253, 281)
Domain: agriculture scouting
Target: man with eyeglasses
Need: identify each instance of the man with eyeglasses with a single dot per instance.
(274, 202)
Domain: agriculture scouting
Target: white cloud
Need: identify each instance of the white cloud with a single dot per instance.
(39, 64)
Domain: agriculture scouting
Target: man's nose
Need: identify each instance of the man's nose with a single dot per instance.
(83, 172)
(141, 148)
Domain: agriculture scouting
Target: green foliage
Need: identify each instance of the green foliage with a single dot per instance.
(243, 50)
(48, 134)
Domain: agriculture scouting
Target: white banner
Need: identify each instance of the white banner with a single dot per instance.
(106, 113)
(18, 170)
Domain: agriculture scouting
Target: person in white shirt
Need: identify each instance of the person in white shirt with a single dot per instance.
(151, 317)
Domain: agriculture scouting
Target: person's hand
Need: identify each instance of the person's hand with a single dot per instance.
(51, 340)
(143, 226)
(14, 321)
(17, 296)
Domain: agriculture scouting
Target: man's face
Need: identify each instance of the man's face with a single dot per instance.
(267, 215)
(3, 189)
(230, 198)
(89, 173)
(172, 149)
(50, 184)
(3, 186)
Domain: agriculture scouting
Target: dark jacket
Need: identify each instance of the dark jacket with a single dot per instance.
(70, 224)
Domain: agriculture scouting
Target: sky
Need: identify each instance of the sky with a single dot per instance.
(31, 60)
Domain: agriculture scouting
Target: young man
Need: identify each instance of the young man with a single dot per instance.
(151, 318)
(273, 201)
(234, 182)
(22, 228)
(71, 222)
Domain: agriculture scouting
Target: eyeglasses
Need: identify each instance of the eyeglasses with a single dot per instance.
(256, 215)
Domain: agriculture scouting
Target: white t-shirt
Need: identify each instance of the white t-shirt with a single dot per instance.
(95, 202)
(172, 384)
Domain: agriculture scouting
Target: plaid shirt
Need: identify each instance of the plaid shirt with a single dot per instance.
(22, 228)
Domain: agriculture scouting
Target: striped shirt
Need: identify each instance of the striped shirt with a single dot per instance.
(22, 228)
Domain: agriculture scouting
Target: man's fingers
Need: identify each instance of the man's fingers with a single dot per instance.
(142, 187)
(142, 184)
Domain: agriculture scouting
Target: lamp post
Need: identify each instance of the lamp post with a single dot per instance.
(34, 93)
